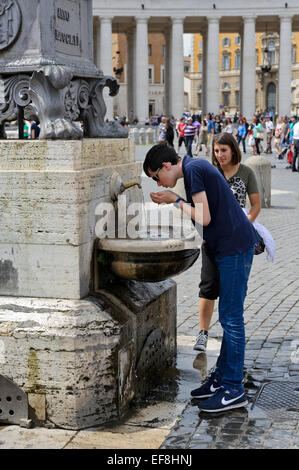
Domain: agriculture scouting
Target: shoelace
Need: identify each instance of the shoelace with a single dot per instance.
(201, 339)
(209, 376)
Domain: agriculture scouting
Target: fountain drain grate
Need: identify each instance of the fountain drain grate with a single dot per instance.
(280, 400)
(13, 403)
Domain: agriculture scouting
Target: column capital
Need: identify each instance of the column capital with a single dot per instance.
(105, 19)
(214, 19)
(249, 19)
(285, 18)
(177, 19)
(142, 19)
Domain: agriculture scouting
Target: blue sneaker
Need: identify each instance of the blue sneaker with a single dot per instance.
(209, 386)
(224, 399)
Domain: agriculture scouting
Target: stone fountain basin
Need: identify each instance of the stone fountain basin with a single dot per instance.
(150, 260)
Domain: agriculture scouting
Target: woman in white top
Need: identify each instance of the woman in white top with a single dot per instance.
(228, 126)
(279, 134)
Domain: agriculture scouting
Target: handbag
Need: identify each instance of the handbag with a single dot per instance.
(260, 135)
(251, 140)
(259, 247)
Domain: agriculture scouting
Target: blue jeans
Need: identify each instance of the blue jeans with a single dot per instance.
(233, 275)
(240, 139)
(189, 141)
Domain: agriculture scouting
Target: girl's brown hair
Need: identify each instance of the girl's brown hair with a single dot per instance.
(227, 139)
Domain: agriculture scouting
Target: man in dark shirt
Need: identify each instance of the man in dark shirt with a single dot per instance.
(35, 130)
(231, 239)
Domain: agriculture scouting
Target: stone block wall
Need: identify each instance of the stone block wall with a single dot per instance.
(49, 191)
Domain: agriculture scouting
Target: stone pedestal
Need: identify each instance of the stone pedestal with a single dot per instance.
(49, 193)
(79, 355)
(262, 169)
(81, 362)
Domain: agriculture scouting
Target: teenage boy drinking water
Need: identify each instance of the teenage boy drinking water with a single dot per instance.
(231, 238)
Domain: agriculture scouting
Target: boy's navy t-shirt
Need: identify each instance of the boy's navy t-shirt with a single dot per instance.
(229, 231)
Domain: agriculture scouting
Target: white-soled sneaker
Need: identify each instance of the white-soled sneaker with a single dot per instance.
(210, 385)
(224, 399)
(201, 342)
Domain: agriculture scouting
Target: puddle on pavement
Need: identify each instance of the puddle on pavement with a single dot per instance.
(190, 368)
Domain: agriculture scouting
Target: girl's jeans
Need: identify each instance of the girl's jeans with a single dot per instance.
(243, 143)
(233, 274)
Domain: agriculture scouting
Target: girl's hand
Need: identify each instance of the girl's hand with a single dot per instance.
(164, 197)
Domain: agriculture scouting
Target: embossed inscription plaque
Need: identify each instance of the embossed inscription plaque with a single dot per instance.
(35, 33)
(67, 27)
(10, 22)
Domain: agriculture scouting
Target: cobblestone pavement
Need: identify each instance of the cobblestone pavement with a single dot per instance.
(271, 420)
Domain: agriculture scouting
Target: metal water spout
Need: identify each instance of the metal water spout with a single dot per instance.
(117, 187)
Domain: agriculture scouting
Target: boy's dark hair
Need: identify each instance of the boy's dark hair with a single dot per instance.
(227, 139)
(159, 154)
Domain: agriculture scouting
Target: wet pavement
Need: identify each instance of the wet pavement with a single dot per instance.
(169, 418)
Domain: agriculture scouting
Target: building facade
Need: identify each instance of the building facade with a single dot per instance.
(156, 75)
(267, 49)
(173, 18)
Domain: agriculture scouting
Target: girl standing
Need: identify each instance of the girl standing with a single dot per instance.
(226, 156)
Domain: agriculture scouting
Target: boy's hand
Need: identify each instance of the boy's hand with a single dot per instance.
(164, 197)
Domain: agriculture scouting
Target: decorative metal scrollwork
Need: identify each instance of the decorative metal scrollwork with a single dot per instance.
(52, 96)
(71, 102)
(83, 94)
(94, 114)
(14, 92)
(76, 99)
(48, 87)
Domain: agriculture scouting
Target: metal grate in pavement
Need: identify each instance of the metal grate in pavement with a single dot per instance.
(280, 400)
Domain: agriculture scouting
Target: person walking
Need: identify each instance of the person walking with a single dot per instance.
(242, 133)
(181, 133)
(269, 132)
(231, 238)
(210, 131)
(35, 130)
(189, 132)
(228, 126)
(226, 157)
(218, 125)
(279, 135)
(258, 134)
(169, 134)
(203, 139)
(162, 129)
(26, 130)
(296, 146)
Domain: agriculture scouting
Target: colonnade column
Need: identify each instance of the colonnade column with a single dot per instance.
(285, 66)
(177, 68)
(167, 71)
(130, 75)
(211, 72)
(103, 57)
(248, 79)
(204, 106)
(141, 69)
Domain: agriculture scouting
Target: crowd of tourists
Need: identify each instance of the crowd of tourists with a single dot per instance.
(260, 135)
